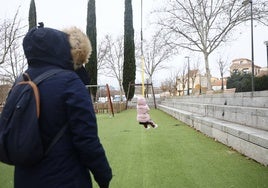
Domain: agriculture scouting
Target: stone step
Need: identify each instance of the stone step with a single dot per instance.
(249, 116)
(259, 99)
(249, 141)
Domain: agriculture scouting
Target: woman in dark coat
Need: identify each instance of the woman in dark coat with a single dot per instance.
(82, 73)
(64, 98)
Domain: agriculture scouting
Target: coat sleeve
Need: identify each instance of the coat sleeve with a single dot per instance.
(83, 127)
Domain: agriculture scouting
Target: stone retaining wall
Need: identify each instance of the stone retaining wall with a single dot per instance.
(239, 120)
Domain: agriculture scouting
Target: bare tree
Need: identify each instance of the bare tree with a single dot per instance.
(156, 52)
(166, 85)
(8, 36)
(194, 73)
(183, 78)
(11, 55)
(202, 25)
(101, 53)
(113, 58)
(223, 66)
(170, 84)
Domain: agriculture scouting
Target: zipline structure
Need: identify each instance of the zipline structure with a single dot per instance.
(142, 57)
(147, 89)
(108, 94)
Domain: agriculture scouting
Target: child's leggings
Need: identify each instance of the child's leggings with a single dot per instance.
(145, 124)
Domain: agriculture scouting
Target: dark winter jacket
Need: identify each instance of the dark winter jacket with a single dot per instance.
(64, 98)
(82, 73)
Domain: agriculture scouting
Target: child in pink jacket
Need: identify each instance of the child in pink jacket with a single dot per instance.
(143, 116)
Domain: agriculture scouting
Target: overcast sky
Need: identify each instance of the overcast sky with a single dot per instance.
(110, 13)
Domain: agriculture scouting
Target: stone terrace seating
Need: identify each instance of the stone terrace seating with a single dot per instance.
(238, 120)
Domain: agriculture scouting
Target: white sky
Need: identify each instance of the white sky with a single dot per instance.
(110, 13)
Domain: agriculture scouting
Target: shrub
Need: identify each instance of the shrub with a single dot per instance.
(242, 82)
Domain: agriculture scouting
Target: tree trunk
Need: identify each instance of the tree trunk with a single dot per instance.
(209, 87)
(91, 30)
(222, 87)
(121, 90)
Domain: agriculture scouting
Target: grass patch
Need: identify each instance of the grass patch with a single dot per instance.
(6, 175)
(173, 155)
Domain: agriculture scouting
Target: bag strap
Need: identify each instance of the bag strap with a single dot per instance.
(25, 79)
(56, 138)
(46, 75)
(35, 91)
(38, 80)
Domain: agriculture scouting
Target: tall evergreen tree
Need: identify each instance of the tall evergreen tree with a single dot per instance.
(91, 66)
(129, 70)
(32, 15)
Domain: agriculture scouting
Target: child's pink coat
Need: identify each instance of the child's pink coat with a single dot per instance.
(142, 110)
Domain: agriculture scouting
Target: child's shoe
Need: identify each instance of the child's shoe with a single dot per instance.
(155, 126)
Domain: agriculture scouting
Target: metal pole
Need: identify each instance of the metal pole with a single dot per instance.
(267, 53)
(266, 43)
(252, 47)
(188, 91)
(200, 77)
(246, 2)
(142, 57)
(188, 79)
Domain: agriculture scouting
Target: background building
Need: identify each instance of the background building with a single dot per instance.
(198, 82)
(244, 65)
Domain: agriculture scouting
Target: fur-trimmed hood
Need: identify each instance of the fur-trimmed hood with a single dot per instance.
(69, 49)
(141, 101)
(80, 46)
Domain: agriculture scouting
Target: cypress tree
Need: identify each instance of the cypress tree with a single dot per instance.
(129, 70)
(91, 66)
(32, 15)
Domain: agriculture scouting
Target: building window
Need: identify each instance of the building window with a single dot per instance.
(235, 71)
(245, 71)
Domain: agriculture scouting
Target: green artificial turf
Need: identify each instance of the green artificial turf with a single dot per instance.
(6, 176)
(171, 156)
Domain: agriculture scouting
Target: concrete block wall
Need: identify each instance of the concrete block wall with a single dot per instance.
(238, 120)
(259, 99)
(239, 108)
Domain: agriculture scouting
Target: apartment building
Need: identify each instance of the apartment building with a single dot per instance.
(198, 82)
(244, 65)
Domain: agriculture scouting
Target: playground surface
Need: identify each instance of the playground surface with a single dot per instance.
(172, 155)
